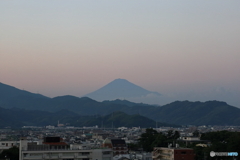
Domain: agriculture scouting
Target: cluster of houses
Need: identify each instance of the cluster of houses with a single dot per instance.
(92, 143)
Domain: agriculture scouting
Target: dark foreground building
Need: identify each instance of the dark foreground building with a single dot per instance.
(118, 146)
(160, 153)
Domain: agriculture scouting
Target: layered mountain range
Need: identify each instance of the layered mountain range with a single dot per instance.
(16, 101)
(24, 117)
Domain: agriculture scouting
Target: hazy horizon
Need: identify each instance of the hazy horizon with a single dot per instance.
(186, 50)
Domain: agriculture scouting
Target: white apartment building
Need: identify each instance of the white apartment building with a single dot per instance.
(61, 151)
(8, 144)
(190, 138)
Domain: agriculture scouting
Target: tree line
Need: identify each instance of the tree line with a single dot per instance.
(219, 141)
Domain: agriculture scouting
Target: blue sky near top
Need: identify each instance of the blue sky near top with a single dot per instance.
(183, 49)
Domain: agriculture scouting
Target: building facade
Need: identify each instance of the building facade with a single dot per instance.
(161, 153)
(8, 144)
(58, 150)
(118, 146)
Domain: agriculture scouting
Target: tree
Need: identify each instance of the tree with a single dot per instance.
(173, 135)
(11, 153)
(146, 140)
(234, 142)
(160, 141)
(151, 138)
(176, 135)
(170, 134)
(132, 146)
(196, 133)
(221, 141)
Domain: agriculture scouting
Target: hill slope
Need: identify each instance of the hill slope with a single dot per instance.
(198, 113)
(13, 97)
(41, 118)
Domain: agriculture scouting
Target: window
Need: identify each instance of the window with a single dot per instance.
(183, 152)
(25, 154)
(36, 155)
(85, 153)
(68, 154)
(106, 152)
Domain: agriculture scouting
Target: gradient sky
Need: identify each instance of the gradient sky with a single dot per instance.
(183, 49)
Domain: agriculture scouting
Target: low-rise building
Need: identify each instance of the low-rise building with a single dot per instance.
(160, 153)
(118, 146)
(191, 140)
(8, 144)
(53, 148)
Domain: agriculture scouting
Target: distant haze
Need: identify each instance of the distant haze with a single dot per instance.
(185, 50)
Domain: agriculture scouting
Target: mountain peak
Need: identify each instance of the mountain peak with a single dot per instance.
(120, 89)
(120, 79)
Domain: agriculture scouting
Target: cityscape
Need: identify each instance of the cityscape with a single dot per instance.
(119, 80)
(62, 142)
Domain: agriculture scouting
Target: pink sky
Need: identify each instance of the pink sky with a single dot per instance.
(75, 47)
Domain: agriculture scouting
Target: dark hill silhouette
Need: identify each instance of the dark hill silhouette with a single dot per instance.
(198, 113)
(8, 92)
(179, 112)
(125, 102)
(14, 97)
(42, 118)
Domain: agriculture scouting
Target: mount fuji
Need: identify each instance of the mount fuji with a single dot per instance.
(123, 89)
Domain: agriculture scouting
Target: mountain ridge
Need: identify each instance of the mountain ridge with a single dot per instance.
(7, 91)
(178, 112)
(42, 118)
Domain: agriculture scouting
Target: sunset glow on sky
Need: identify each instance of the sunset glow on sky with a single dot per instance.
(188, 50)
